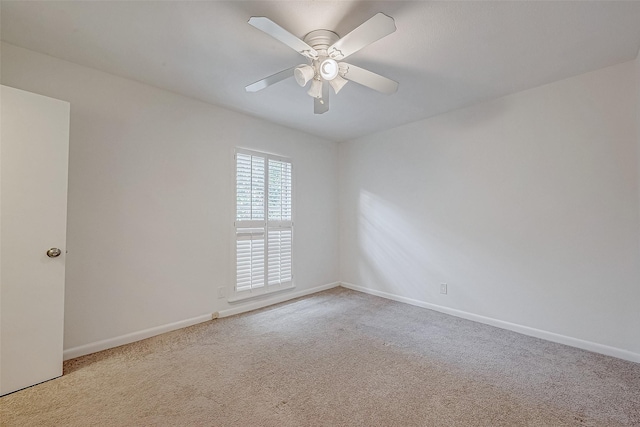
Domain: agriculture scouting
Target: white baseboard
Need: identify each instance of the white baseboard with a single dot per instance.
(94, 347)
(276, 299)
(538, 333)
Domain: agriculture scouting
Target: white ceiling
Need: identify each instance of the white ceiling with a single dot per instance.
(445, 55)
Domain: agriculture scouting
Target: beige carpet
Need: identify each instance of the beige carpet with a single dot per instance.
(337, 358)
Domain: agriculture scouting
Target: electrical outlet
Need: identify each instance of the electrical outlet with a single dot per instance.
(443, 288)
(222, 292)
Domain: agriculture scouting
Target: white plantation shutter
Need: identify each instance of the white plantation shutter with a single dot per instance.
(279, 261)
(263, 225)
(279, 222)
(279, 191)
(250, 189)
(249, 259)
(250, 221)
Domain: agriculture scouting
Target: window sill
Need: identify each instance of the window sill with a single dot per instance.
(241, 298)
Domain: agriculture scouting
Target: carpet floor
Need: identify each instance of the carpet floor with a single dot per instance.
(336, 358)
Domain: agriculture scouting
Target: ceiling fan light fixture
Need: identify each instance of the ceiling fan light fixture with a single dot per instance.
(329, 69)
(303, 73)
(315, 90)
(338, 83)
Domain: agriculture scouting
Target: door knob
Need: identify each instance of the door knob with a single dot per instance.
(53, 252)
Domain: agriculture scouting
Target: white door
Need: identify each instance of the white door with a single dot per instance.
(34, 156)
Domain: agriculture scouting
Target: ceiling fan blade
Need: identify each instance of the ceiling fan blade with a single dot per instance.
(268, 81)
(321, 105)
(374, 29)
(279, 33)
(369, 79)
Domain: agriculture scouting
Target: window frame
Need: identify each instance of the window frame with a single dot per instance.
(265, 224)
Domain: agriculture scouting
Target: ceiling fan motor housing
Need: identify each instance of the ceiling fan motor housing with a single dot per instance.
(320, 40)
(325, 67)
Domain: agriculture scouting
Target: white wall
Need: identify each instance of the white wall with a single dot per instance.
(527, 206)
(637, 81)
(637, 74)
(151, 198)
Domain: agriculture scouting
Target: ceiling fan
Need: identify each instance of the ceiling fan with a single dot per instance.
(326, 51)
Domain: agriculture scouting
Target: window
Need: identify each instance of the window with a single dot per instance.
(263, 223)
